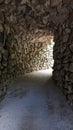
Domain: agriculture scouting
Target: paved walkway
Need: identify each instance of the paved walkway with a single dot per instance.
(35, 103)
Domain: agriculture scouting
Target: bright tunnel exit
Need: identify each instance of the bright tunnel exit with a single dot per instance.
(40, 51)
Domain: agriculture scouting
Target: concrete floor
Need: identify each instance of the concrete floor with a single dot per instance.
(35, 103)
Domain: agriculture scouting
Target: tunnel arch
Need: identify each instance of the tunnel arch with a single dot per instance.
(19, 20)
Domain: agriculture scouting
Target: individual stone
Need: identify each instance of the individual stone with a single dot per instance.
(1, 28)
(1, 17)
(71, 67)
(1, 37)
(55, 2)
(71, 4)
(23, 1)
(1, 1)
(66, 1)
(71, 47)
(7, 1)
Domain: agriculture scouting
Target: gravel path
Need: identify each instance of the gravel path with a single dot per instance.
(35, 103)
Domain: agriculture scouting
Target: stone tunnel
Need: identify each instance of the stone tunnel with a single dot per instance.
(27, 28)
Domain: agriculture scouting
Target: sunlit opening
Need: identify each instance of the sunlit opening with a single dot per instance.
(49, 52)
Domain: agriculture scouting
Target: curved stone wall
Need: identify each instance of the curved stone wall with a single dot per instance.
(22, 21)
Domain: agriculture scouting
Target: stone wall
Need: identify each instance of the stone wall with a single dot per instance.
(23, 22)
(63, 52)
(21, 50)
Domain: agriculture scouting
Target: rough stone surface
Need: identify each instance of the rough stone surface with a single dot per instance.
(23, 26)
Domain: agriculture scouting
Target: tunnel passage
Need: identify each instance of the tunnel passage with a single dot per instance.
(23, 23)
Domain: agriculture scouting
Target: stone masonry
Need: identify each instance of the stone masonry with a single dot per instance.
(28, 26)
